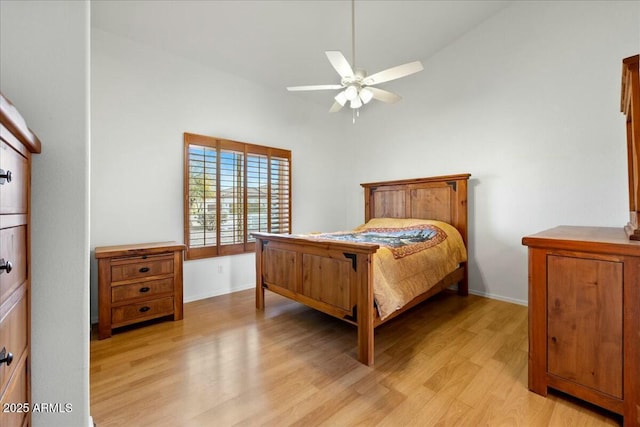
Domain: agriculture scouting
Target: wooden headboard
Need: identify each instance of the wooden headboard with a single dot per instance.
(442, 198)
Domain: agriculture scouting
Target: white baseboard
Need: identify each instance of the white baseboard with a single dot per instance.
(216, 293)
(499, 297)
(91, 424)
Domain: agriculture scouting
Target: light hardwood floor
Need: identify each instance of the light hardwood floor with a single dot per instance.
(450, 361)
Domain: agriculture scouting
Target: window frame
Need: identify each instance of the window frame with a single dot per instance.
(248, 244)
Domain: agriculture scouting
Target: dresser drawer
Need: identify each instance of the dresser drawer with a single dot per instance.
(13, 194)
(140, 311)
(13, 337)
(137, 290)
(13, 249)
(140, 267)
(16, 397)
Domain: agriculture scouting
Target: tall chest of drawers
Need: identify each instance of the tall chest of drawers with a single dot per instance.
(17, 143)
(138, 283)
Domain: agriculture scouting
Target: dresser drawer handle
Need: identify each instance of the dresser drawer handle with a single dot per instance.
(5, 357)
(144, 309)
(5, 176)
(5, 265)
(144, 269)
(145, 289)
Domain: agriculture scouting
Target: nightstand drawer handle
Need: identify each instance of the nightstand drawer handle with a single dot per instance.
(5, 357)
(145, 289)
(5, 265)
(144, 309)
(144, 269)
(5, 176)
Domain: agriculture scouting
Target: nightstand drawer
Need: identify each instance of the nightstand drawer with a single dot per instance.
(140, 267)
(143, 310)
(141, 290)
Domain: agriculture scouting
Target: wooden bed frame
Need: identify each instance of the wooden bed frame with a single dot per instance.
(336, 277)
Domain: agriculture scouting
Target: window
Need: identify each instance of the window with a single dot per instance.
(232, 189)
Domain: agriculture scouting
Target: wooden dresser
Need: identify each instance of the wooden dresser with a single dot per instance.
(17, 143)
(584, 316)
(138, 283)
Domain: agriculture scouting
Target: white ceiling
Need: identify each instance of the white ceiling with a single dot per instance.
(282, 43)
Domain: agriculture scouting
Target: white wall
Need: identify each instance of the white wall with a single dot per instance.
(529, 104)
(143, 100)
(44, 57)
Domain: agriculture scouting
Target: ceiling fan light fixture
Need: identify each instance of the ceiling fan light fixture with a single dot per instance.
(356, 85)
(351, 92)
(365, 95)
(341, 98)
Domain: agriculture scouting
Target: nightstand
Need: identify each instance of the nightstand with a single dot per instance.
(138, 283)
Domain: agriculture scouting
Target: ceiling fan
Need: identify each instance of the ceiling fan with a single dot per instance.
(356, 86)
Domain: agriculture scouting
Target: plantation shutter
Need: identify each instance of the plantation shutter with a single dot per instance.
(233, 189)
(231, 223)
(202, 196)
(280, 196)
(257, 194)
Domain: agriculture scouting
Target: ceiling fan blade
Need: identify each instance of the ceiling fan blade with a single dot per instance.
(313, 87)
(340, 63)
(394, 73)
(384, 95)
(335, 107)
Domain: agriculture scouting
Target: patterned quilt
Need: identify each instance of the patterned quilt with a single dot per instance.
(401, 241)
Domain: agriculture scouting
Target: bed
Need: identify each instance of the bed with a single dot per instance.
(338, 276)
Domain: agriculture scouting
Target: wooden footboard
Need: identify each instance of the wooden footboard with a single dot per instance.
(333, 277)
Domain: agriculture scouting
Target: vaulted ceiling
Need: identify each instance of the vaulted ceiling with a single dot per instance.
(281, 43)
